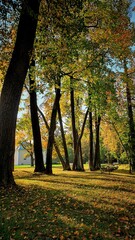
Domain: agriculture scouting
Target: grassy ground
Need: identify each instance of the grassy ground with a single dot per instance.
(69, 205)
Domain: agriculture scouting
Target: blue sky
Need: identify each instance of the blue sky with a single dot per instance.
(133, 12)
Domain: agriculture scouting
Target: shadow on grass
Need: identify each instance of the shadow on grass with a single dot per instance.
(113, 177)
(37, 213)
(40, 213)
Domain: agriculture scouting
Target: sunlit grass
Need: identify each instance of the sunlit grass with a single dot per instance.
(69, 205)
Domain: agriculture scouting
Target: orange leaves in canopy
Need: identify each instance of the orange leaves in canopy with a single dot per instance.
(122, 34)
(123, 38)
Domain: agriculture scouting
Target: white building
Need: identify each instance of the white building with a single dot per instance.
(23, 158)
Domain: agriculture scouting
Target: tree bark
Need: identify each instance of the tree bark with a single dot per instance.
(97, 145)
(78, 144)
(91, 144)
(31, 154)
(130, 121)
(74, 130)
(12, 87)
(39, 162)
(91, 164)
(55, 144)
(51, 131)
(67, 165)
(81, 157)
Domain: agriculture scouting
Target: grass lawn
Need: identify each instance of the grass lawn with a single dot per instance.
(69, 205)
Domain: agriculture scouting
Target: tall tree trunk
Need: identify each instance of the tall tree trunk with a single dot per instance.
(31, 154)
(51, 131)
(12, 87)
(31, 159)
(39, 162)
(91, 160)
(97, 145)
(74, 130)
(67, 165)
(91, 144)
(55, 144)
(130, 121)
(78, 144)
(77, 158)
(81, 157)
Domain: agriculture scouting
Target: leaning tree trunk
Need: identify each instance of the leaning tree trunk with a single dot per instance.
(51, 132)
(55, 144)
(12, 87)
(120, 140)
(97, 145)
(130, 121)
(67, 165)
(39, 162)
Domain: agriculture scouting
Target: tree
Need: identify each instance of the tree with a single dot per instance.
(9, 15)
(78, 40)
(52, 129)
(91, 156)
(12, 87)
(74, 130)
(67, 165)
(39, 162)
(75, 163)
(97, 143)
(131, 122)
(55, 143)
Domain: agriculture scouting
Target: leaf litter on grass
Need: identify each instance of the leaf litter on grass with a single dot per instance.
(59, 207)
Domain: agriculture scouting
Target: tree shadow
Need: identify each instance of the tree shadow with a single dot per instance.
(42, 213)
(103, 177)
